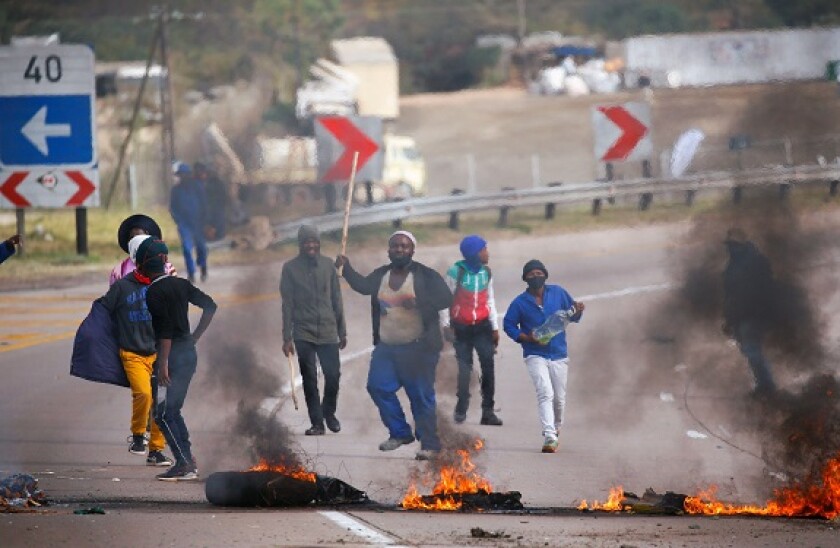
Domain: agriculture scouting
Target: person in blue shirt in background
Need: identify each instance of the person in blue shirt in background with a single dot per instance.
(188, 206)
(548, 364)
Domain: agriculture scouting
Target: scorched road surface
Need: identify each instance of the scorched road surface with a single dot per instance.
(624, 426)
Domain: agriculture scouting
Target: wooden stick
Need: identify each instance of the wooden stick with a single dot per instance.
(292, 381)
(346, 228)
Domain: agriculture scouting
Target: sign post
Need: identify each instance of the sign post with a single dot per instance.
(47, 129)
(622, 134)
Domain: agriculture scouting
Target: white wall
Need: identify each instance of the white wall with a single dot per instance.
(733, 57)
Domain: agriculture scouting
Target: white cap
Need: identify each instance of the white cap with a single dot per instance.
(133, 244)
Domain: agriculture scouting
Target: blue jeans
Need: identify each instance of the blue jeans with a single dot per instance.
(749, 339)
(411, 366)
(480, 338)
(170, 399)
(193, 238)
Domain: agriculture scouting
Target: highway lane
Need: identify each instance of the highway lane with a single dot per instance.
(621, 429)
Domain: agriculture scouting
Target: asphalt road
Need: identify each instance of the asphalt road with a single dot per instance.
(627, 422)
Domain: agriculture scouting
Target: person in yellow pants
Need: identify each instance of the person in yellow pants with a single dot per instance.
(126, 303)
(138, 369)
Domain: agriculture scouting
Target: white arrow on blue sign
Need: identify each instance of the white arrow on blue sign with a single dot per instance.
(46, 107)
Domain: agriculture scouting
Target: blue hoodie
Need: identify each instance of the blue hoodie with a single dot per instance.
(524, 315)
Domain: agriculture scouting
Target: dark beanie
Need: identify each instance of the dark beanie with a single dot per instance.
(151, 256)
(141, 221)
(533, 264)
(307, 232)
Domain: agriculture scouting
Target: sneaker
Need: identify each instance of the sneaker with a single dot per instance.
(157, 458)
(393, 443)
(333, 424)
(179, 472)
(491, 419)
(549, 445)
(426, 454)
(203, 273)
(459, 417)
(137, 444)
(315, 431)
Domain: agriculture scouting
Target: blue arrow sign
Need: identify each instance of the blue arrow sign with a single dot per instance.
(46, 130)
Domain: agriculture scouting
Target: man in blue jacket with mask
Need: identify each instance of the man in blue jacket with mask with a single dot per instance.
(548, 364)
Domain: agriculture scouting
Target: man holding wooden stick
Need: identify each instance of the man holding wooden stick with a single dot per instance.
(313, 326)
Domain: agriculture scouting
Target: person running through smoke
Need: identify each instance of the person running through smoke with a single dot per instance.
(748, 293)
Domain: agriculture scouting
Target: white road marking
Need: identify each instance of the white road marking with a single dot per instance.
(357, 528)
(624, 292)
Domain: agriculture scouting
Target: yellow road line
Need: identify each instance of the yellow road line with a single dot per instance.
(47, 298)
(37, 323)
(40, 340)
(224, 302)
(28, 310)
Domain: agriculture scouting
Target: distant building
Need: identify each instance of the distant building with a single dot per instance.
(740, 57)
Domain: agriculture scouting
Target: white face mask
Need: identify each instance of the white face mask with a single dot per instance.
(133, 244)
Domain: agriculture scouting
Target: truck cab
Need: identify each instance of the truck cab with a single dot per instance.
(404, 171)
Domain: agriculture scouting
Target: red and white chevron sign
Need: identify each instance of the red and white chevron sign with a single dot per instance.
(49, 189)
(622, 132)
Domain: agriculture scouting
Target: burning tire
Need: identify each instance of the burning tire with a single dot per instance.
(258, 489)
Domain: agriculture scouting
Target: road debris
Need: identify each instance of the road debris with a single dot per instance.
(478, 532)
(20, 493)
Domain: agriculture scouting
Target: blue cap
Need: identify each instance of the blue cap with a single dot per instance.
(181, 168)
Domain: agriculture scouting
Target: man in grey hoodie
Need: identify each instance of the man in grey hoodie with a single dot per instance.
(313, 326)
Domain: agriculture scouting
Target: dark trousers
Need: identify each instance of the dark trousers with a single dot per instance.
(327, 355)
(750, 338)
(478, 337)
(193, 238)
(411, 366)
(170, 399)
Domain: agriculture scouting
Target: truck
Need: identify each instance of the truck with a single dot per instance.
(293, 161)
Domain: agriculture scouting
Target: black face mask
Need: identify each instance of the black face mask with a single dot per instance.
(401, 261)
(536, 282)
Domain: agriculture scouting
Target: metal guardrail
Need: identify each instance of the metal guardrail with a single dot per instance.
(565, 194)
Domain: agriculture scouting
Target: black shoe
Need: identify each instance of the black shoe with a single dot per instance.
(157, 458)
(179, 472)
(137, 444)
(191, 278)
(315, 431)
(459, 417)
(491, 420)
(203, 273)
(333, 424)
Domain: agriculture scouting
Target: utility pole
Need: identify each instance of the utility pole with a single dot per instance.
(520, 4)
(298, 55)
(167, 125)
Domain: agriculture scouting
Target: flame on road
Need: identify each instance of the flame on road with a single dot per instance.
(458, 479)
(296, 471)
(613, 503)
(818, 498)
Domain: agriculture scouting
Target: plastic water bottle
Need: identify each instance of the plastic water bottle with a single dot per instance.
(556, 323)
